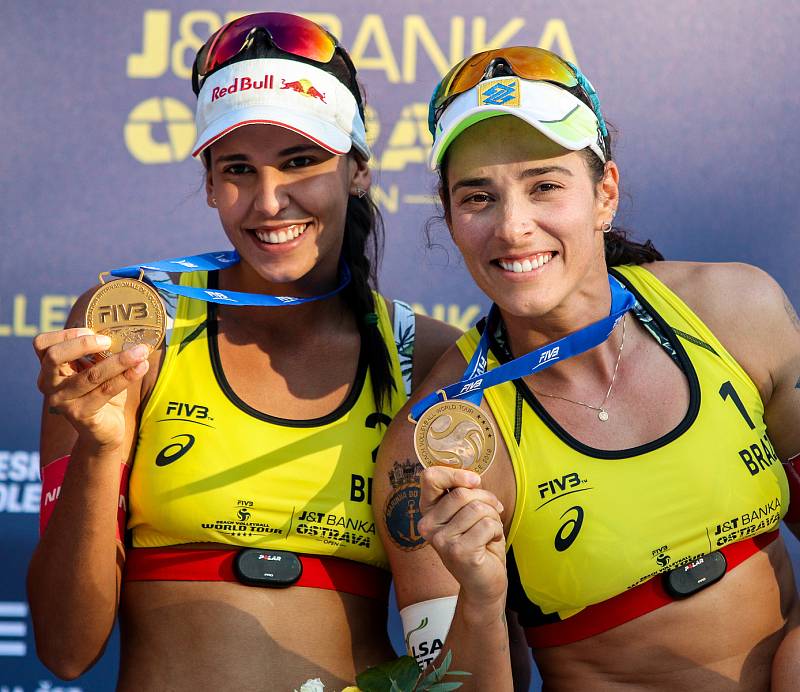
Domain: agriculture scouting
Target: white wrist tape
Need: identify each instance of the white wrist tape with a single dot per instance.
(425, 627)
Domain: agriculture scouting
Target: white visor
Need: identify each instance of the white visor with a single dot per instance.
(287, 93)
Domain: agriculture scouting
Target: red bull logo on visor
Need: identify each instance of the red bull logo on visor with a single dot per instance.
(242, 84)
(303, 86)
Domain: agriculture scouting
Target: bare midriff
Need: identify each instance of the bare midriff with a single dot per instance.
(228, 636)
(721, 638)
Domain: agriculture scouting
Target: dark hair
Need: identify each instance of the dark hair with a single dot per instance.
(619, 249)
(362, 250)
(362, 247)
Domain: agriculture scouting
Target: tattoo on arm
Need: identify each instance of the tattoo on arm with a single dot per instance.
(401, 513)
(791, 312)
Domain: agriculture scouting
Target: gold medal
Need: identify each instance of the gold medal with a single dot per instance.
(130, 312)
(456, 434)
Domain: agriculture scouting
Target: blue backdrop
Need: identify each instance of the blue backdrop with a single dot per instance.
(98, 116)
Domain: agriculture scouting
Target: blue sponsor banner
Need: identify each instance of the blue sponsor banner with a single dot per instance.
(98, 116)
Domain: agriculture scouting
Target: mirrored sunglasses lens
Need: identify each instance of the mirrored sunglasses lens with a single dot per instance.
(525, 62)
(301, 37)
(289, 33)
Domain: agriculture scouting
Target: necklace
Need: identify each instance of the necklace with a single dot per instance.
(602, 413)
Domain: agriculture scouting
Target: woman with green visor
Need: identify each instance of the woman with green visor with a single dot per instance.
(604, 447)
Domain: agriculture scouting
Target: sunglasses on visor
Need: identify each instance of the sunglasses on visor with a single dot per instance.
(288, 32)
(526, 62)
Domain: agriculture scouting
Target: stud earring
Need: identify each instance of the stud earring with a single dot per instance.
(213, 201)
(361, 192)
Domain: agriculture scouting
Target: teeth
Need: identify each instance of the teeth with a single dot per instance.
(525, 265)
(283, 236)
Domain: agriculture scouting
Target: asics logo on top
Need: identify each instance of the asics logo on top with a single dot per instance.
(172, 452)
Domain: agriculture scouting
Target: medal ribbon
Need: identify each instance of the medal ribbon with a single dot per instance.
(476, 378)
(211, 261)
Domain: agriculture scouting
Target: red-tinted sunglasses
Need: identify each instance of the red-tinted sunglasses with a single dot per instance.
(288, 32)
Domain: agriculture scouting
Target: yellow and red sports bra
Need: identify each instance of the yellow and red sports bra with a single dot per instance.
(590, 524)
(210, 468)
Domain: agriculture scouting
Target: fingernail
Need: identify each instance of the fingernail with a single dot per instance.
(500, 507)
(139, 351)
(141, 368)
(103, 341)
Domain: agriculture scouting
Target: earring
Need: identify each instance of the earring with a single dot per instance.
(361, 192)
(213, 201)
(608, 225)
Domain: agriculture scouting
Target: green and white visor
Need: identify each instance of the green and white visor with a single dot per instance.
(554, 111)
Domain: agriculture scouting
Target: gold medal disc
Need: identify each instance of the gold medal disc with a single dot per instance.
(456, 434)
(130, 312)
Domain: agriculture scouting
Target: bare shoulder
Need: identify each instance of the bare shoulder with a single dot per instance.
(745, 308)
(719, 292)
(721, 286)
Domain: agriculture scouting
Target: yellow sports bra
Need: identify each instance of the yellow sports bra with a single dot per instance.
(208, 467)
(590, 524)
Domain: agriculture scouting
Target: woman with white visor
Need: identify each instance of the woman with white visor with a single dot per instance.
(247, 559)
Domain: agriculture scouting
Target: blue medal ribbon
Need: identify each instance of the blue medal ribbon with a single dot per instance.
(211, 261)
(476, 378)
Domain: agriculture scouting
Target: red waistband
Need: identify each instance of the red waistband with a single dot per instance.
(196, 564)
(630, 604)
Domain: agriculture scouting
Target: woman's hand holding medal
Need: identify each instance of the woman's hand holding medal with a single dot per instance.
(462, 522)
(92, 398)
